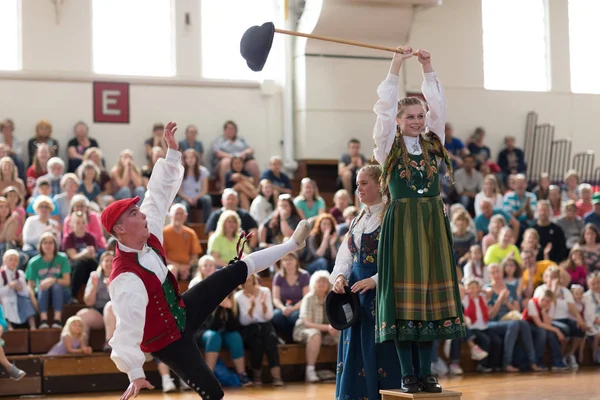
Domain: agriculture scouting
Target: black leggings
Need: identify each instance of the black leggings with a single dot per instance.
(261, 338)
(183, 356)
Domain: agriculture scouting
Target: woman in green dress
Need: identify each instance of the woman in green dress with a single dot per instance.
(417, 295)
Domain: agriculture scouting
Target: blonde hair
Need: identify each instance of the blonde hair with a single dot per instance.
(107, 253)
(202, 262)
(15, 172)
(315, 277)
(228, 214)
(67, 328)
(9, 253)
(303, 184)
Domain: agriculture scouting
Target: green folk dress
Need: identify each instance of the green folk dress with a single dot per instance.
(417, 294)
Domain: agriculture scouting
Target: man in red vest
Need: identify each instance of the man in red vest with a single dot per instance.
(152, 316)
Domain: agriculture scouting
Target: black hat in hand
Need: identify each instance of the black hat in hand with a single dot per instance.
(342, 309)
(256, 45)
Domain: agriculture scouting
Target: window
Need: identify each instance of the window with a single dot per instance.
(585, 59)
(223, 25)
(515, 45)
(133, 37)
(10, 34)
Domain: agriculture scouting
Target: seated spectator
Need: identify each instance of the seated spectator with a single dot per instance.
(550, 233)
(49, 275)
(43, 189)
(264, 204)
(9, 177)
(280, 224)
(468, 182)
(80, 247)
(575, 266)
(511, 160)
(155, 140)
(69, 185)
(308, 202)
(542, 190)
(11, 369)
(15, 295)
(321, 245)
(221, 328)
(8, 227)
(589, 243)
(459, 208)
(349, 165)
(255, 307)
(482, 221)
(181, 244)
(584, 204)
(521, 204)
(557, 204)
(349, 214)
(497, 222)
(80, 203)
(193, 192)
(537, 315)
(156, 154)
(98, 314)
(341, 201)
(231, 145)
(73, 339)
(77, 146)
(14, 146)
(280, 180)
(95, 155)
(455, 147)
(43, 136)
(56, 169)
(591, 301)
(477, 148)
(491, 192)
(474, 268)
(222, 245)
(561, 312)
(535, 270)
(127, 178)
(313, 327)
(36, 225)
(290, 285)
(191, 142)
(594, 215)
(38, 166)
(496, 253)
(15, 202)
(240, 180)
(229, 201)
(570, 189)
(531, 241)
(571, 224)
(463, 239)
(89, 187)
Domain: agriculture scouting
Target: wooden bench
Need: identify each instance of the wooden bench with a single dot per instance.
(42, 340)
(88, 373)
(31, 384)
(16, 341)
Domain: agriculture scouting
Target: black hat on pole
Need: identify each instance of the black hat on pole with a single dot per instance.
(342, 309)
(256, 45)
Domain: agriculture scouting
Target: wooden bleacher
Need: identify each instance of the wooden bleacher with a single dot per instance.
(323, 172)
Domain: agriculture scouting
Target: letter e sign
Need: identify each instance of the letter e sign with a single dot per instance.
(111, 102)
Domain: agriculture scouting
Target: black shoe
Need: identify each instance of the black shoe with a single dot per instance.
(430, 384)
(410, 384)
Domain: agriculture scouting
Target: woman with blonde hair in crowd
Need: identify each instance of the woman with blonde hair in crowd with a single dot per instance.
(222, 243)
(10, 177)
(308, 202)
(127, 178)
(490, 191)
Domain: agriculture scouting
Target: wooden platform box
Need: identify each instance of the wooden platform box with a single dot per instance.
(31, 384)
(397, 394)
(42, 340)
(16, 341)
(88, 373)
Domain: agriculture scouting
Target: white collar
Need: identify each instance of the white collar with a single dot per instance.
(126, 249)
(374, 209)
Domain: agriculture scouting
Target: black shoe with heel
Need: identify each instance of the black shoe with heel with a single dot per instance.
(430, 384)
(410, 384)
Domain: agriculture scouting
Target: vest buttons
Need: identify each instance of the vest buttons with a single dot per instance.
(161, 314)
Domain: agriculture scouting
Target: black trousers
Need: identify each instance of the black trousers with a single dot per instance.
(183, 356)
(261, 338)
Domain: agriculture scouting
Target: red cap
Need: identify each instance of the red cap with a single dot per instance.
(111, 214)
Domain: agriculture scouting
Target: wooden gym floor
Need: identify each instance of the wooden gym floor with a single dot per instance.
(546, 386)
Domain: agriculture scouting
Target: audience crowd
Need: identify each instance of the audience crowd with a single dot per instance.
(528, 257)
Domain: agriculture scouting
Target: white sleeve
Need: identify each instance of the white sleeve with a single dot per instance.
(163, 186)
(269, 315)
(539, 291)
(532, 309)
(129, 299)
(343, 262)
(386, 109)
(468, 272)
(24, 288)
(589, 313)
(478, 198)
(29, 237)
(465, 302)
(436, 100)
(243, 307)
(568, 296)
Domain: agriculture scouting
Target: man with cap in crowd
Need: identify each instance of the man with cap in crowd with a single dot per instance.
(152, 316)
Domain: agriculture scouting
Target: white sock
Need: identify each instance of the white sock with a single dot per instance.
(167, 378)
(310, 368)
(263, 259)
